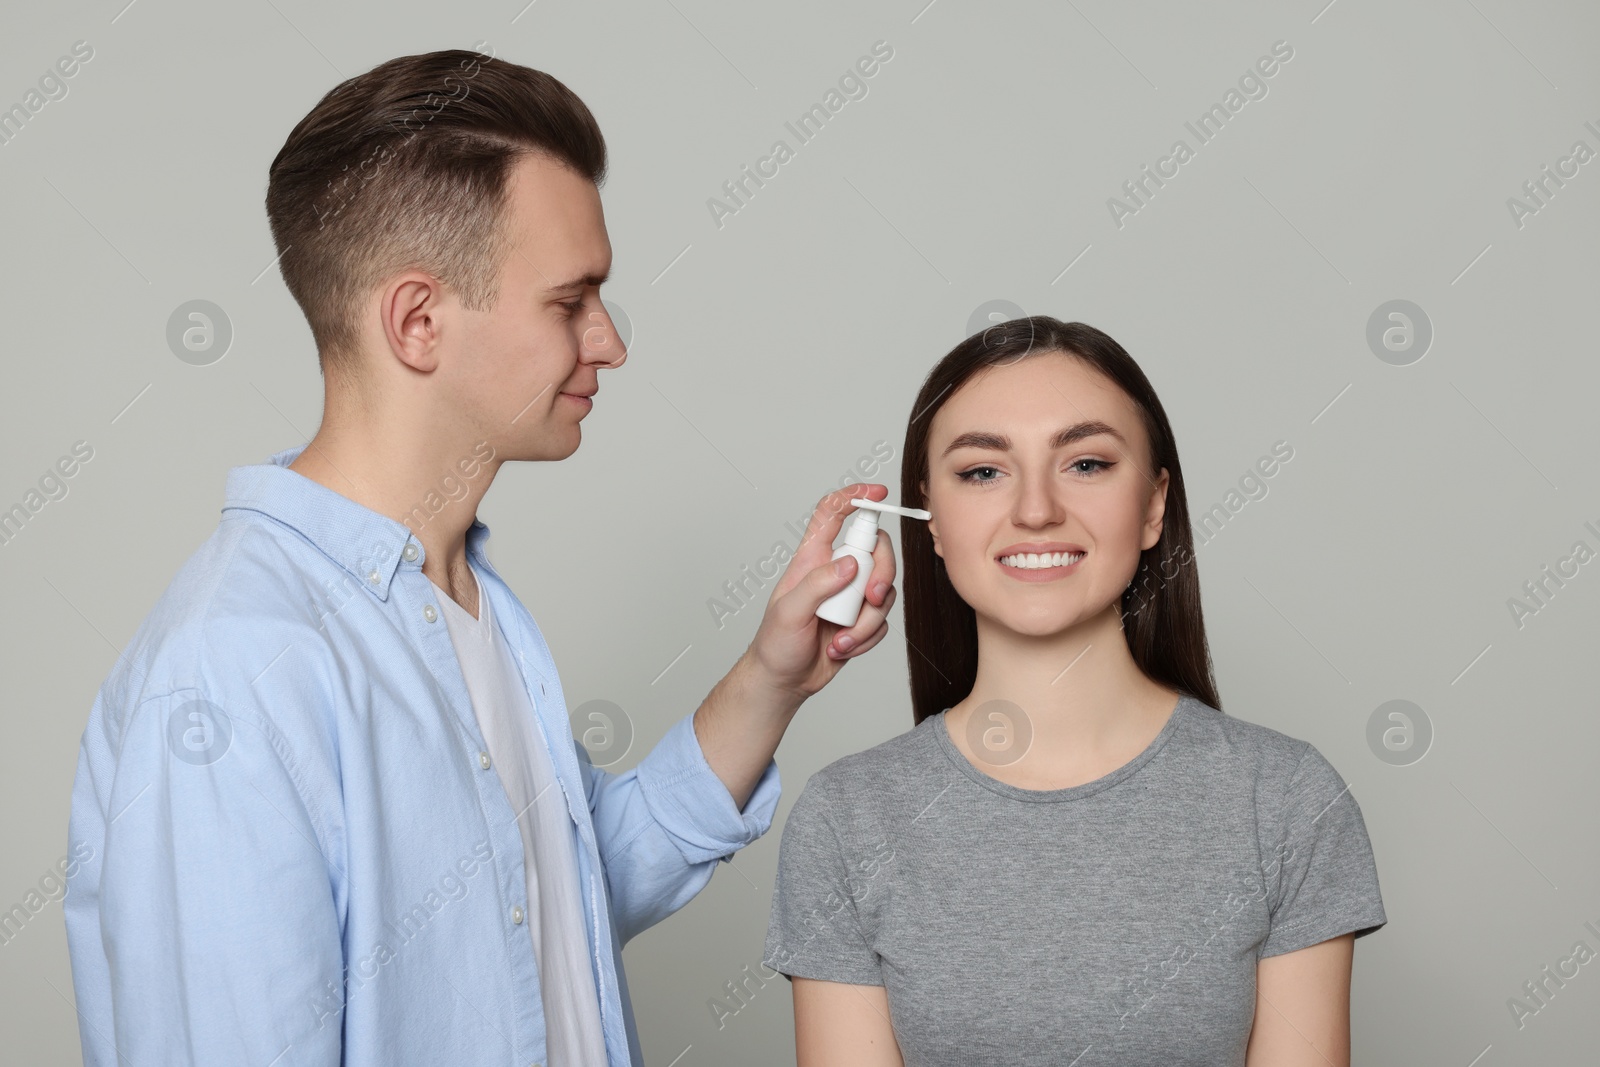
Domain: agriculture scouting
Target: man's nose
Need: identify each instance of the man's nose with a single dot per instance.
(601, 343)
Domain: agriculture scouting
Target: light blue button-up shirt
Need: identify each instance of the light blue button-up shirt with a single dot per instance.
(294, 848)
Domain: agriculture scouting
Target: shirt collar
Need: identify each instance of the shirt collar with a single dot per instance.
(370, 546)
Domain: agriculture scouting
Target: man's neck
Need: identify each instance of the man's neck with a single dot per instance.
(410, 476)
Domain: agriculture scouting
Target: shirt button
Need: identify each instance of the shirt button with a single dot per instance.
(516, 916)
(483, 760)
(410, 553)
(428, 612)
(373, 577)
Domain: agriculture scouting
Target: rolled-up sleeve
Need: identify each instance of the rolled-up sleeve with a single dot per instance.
(662, 826)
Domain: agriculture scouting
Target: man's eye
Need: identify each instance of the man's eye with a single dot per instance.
(573, 306)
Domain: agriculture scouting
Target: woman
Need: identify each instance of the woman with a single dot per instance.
(1074, 857)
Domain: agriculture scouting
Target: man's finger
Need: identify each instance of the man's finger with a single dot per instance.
(883, 569)
(872, 619)
(796, 607)
(866, 646)
(828, 519)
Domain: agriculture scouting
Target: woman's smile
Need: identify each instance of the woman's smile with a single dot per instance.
(1040, 567)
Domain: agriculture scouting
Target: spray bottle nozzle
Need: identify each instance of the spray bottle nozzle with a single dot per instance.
(914, 513)
(860, 538)
(862, 531)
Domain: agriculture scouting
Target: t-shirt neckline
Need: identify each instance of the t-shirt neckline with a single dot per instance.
(479, 625)
(1075, 792)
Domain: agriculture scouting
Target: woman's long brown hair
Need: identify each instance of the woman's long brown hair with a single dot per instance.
(1160, 610)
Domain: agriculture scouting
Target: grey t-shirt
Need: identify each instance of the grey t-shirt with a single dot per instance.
(1114, 922)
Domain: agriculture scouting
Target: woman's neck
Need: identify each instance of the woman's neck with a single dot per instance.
(1085, 707)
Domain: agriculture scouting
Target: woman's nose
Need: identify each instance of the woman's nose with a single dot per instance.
(1039, 507)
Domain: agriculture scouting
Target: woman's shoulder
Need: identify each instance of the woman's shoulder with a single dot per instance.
(1275, 761)
(1222, 734)
(871, 780)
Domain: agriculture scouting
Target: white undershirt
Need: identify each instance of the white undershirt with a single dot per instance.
(555, 911)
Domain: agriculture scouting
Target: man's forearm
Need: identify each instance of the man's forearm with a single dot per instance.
(739, 726)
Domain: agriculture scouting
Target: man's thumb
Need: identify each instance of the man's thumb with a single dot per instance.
(834, 577)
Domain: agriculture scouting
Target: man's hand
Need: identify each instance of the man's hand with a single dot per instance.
(793, 650)
(794, 653)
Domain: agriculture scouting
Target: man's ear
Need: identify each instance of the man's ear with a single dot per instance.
(933, 530)
(410, 307)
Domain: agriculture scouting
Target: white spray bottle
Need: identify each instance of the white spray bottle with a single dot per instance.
(860, 538)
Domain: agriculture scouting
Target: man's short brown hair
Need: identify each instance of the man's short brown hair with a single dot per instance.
(408, 166)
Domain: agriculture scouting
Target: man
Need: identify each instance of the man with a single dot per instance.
(335, 812)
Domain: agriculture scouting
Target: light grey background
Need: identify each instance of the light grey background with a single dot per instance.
(771, 353)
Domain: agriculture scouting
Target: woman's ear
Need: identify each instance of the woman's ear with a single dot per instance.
(933, 530)
(1155, 512)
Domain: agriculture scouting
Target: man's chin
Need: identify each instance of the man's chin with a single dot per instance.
(545, 451)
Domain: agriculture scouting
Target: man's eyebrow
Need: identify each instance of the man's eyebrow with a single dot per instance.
(1001, 443)
(578, 283)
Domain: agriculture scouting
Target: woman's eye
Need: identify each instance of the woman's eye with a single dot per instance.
(969, 476)
(1082, 467)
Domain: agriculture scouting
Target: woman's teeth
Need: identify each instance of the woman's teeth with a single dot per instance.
(1035, 561)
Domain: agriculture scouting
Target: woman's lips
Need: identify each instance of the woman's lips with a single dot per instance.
(1041, 574)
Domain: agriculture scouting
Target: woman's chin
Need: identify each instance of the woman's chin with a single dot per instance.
(1047, 621)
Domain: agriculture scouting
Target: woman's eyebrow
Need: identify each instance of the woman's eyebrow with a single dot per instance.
(1001, 443)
